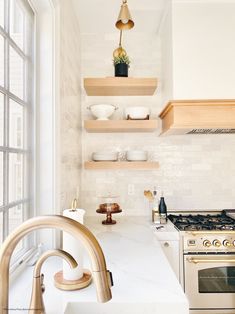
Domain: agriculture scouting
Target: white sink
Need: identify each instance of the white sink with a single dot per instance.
(117, 308)
(96, 308)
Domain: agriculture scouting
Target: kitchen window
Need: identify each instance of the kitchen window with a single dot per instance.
(16, 116)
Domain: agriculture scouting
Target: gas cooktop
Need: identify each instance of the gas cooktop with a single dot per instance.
(203, 222)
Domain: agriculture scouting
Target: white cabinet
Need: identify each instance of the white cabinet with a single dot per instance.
(169, 240)
(171, 251)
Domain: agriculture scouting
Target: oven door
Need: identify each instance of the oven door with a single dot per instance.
(210, 281)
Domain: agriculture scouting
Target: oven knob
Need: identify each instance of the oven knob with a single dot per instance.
(207, 243)
(217, 243)
(227, 243)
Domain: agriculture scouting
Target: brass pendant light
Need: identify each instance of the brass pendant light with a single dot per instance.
(124, 20)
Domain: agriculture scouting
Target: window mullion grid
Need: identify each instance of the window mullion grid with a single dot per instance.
(6, 125)
(13, 96)
(25, 103)
(6, 15)
(13, 44)
(5, 168)
(13, 204)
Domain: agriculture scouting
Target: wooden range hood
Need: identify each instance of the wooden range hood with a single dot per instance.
(198, 117)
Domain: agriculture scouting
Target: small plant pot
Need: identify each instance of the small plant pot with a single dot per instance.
(121, 69)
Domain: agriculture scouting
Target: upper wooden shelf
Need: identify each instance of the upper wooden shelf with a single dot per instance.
(120, 86)
(111, 126)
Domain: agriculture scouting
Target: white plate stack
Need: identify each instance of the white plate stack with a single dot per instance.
(105, 156)
(136, 155)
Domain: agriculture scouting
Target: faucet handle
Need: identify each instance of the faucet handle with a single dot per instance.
(42, 283)
(110, 278)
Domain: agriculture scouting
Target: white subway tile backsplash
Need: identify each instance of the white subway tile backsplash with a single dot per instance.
(196, 172)
(70, 105)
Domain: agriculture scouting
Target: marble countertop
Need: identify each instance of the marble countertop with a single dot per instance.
(141, 272)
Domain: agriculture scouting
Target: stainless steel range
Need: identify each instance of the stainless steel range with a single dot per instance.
(208, 261)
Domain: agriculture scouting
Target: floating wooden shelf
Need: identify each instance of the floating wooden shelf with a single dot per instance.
(116, 165)
(120, 86)
(111, 126)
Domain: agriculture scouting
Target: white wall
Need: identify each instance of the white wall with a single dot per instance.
(58, 108)
(167, 55)
(70, 104)
(203, 49)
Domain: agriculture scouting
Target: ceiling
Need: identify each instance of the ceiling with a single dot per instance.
(99, 16)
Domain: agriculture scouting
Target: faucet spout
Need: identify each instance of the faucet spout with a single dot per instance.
(100, 274)
(36, 303)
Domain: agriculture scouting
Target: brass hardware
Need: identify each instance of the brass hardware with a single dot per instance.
(119, 52)
(196, 261)
(124, 20)
(216, 243)
(36, 302)
(207, 243)
(98, 264)
(120, 43)
(74, 204)
(227, 243)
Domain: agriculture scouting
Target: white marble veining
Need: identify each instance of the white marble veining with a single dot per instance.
(143, 279)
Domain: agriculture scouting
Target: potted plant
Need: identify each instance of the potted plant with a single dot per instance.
(121, 64)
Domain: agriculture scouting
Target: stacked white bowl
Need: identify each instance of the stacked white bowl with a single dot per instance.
(105, 156)
(137, 113)
(136, 155)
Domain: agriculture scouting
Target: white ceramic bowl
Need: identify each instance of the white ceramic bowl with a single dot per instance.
(136, 155)
(137, 112)
(105, 156)
(102, 111)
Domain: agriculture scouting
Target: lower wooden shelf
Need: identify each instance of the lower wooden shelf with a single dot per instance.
(104, 126)
(115, 165)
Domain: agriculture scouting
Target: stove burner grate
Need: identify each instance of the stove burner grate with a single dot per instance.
(203, 222)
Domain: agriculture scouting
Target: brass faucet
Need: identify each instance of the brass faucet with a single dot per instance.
(36, 303)
(101, 276)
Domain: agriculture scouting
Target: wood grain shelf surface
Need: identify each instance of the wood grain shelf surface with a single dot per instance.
(118, 165)
(115, 126)
(120, 86)
(198, 116)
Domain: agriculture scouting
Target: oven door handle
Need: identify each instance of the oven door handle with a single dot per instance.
(209, 260)
(194, 233)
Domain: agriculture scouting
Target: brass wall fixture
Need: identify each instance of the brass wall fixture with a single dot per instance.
(101, 276)
(119, 52)
(124, 20)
